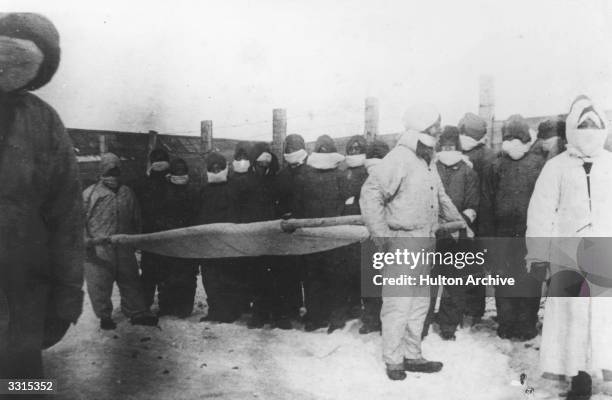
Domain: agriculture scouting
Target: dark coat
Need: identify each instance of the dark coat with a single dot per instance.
(180, 206)
(318, 193)
(350, 186)
(41, 223)
(255, 197)
(461, 185)
(506, 192)
(216, 204)
(287, 190)
(481, 158)
(151, 194)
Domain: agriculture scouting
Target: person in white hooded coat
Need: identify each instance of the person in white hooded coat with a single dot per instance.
(571, 201)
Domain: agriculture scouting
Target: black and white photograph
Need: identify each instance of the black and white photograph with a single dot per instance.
(310, 200)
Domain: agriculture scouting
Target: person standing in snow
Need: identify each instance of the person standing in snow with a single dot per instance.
(571, 199)
(352, 179)
(503, 215)
(151, 194)
(318, 195)
(295, 156)
(370, 317)
(111, 208)
(461, 185)
(223, 279)
(472, 138)
(41, 241)
(177, 287)
(401, 203)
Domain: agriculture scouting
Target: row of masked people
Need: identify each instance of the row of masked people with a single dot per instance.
(250, 188)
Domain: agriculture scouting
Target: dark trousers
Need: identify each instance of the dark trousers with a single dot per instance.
(21, 364)
(371, 312)
(227, 289)
(518, 306)
(276, 287)
(152, 267)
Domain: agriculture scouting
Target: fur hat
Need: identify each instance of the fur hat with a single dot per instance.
(473, 126)
(516, 128)
(159, 155)
(42, 32)
(242, 150)
(551, 128)
(215, 158)
(360, 140)
(325, 144)
(108, 161)
(450, 137)
(377, 149)
(178, 166)
(294, 142)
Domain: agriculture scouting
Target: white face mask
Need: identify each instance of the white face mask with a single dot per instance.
(20, 60)
(296, 158)
(589, 142)
(515, 148)
(325, 160)
(355, 160)
(241, 166)
(468, 142)
(218, 177)
(449, 157)
(179, 179)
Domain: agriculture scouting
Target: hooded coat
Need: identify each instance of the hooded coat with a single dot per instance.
(41, 241)
(577, 333)
(41, 245)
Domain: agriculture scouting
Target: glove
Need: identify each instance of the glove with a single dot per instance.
(540, 270)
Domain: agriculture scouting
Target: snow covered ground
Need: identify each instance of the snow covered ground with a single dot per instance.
(188, 359)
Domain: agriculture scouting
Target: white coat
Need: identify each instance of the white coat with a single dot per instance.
(577, 333)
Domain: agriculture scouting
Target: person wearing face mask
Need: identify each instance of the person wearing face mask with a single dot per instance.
(571, 199)
(472, 138)
(352, 179)
(402, 202)
(318, 195)
(223, 279)
(111, 208)
(177, 285)
(295, 156)
(505, 198)
(461, 185)
(551, 138)
(41, 241)
(370, 317)
(151, 194)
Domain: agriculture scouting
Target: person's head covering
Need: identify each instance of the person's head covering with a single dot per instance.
(159, 155)
(178, 166)
(293, 143)
(108, 161)
(551, 128)
(242, 150)
(215, 158)
(473, 126)
(377, 149)
(450, 137)
(41, 31)
(360, 140)
(516, 128)
(325, 144)
(586, 128)
(421, 117)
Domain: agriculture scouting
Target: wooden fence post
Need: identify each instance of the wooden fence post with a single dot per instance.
(279, 132)
(103, 148)
(486, 108)
(371, 118)
(206, 136)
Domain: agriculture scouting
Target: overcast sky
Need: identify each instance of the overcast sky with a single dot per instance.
(135, 66)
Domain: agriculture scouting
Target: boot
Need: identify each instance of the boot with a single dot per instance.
(107, 324)
(448, 335)
(581, 388)
(422, 365)
(283, 323)
(369, 328)
(256, 321)
(396, 374)
(145, 320)
(311, 325)
(335, 326)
